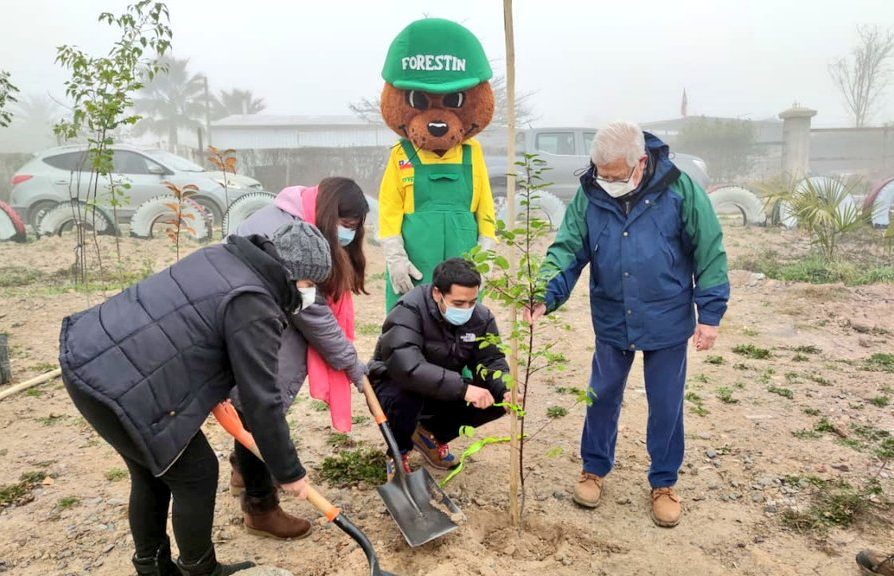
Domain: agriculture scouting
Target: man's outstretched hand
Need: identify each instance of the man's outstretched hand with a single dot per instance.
(704, 337)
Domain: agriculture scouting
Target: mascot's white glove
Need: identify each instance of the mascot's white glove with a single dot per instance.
(399, 266)
(486, 243)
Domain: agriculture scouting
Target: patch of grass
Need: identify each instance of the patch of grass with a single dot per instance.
(11, 276)
(116, 474)
(570, 391)
(888, 389)
(319, 406)
(814, 269)
(824, 426)
(34, 392)
(804, 434)
(766, 376)
(819, 379)
(784, 392)
(359, 420)
(369, 329)
(752, 351)
(52, 419)
(851, 443)
(20, 492)
(870, 432)
(810, 349)
(697, 407)
(811, 411)
(726, 395)
(750, 332)
(879, 362)
(350, 467)
(885, 449)
(43, 367)
(339, 440)
(67, 502)
(716, 360)
(792, 377)
(833, 504)
(377, 276)
(556, 412)
(701, 378)
(798, 357)
(880, 401)
(741, 366)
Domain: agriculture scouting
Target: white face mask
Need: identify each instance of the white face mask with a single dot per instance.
(616, 189)
(308, 296)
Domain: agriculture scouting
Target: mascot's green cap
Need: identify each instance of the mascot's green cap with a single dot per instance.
(436, 55)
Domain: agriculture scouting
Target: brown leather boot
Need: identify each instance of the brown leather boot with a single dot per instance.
(588, 490)
(237, 483)
(666, 509)
(264, 517)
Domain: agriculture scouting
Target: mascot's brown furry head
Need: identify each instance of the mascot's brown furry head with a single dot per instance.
(436, 91)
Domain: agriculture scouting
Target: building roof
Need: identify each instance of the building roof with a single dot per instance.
(289, 121)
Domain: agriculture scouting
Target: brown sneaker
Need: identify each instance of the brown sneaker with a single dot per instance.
(237, 483)
(872, 562)
(434, 452)
(666, 509)
(588, 490)
(264, 517)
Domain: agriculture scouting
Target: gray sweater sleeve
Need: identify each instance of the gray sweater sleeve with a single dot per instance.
(319, 327)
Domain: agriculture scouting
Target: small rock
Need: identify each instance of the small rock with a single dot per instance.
(623, 501)
(841, 467)
(711, 454)
(734, 483)
(704, 435)
(558, 495)
(480, 502)
(771, 509)
(757, 497)
(566, 561)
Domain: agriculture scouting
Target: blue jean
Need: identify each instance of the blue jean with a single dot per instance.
(665, 375)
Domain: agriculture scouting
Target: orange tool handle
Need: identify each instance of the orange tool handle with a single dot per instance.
(226, 415)
(373, 402)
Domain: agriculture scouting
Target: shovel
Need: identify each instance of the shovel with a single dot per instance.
(415, 501)
(228, 418)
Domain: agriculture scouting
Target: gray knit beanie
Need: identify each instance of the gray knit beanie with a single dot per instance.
(303, 251)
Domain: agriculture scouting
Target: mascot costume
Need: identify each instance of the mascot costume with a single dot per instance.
(435, 201)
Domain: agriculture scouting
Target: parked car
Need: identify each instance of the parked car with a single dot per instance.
(52, 176)
(567, 153)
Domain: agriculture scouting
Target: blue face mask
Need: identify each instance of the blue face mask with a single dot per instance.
(458, 316)
(345, 235)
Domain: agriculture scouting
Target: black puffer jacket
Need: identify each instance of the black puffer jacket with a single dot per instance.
(165, 351)
(423, 353)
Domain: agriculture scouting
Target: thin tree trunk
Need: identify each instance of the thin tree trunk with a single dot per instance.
(514, 443)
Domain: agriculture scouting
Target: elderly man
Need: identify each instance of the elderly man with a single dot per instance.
(656, 256)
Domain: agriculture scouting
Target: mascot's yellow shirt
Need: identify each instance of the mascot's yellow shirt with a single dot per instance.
(396, 192)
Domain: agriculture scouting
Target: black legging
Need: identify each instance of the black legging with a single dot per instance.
(257, 478)
(191, 480)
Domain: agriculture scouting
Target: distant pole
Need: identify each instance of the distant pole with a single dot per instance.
(5, 367)
(207, 111)
(514, 443)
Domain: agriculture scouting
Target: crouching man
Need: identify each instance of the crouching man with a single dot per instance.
(432, 333)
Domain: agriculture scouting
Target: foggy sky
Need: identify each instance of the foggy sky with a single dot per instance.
(586, 62)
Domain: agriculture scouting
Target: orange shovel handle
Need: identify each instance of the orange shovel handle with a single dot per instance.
(227, 416)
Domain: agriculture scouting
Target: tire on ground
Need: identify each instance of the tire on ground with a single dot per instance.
(548, 206)
(243, 207)
(880, 203)
(11, 226)
(789, 219)
(157, 211)
(67, 214)
(738, 200)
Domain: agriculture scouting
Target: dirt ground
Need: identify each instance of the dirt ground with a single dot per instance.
(744, 467)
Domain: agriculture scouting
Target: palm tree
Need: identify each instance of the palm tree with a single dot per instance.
(236, 101)
(173, 100)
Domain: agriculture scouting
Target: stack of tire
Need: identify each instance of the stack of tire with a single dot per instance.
(738, 200)
(158, 214)
(12, 229)
(880, 202)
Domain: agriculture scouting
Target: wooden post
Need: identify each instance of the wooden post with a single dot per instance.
(5, 368)
(514, 443)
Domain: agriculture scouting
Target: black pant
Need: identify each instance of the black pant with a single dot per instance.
(258, 482)
(442, 418)
(191, 481)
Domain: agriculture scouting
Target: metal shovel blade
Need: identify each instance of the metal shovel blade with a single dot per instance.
(418, 506)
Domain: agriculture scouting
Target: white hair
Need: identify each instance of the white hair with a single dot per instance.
(618, 140)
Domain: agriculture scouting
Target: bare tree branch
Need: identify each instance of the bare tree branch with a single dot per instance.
(862, 77)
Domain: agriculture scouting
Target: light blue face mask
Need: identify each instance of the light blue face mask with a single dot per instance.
(458, 316)
(345, 235)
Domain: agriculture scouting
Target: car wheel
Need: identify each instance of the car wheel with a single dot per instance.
(544, 205)
(242, 208)
(66, 216)
(156, 212)
(37, 210)
(213, 212)
(735, 199)
(11, 226)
